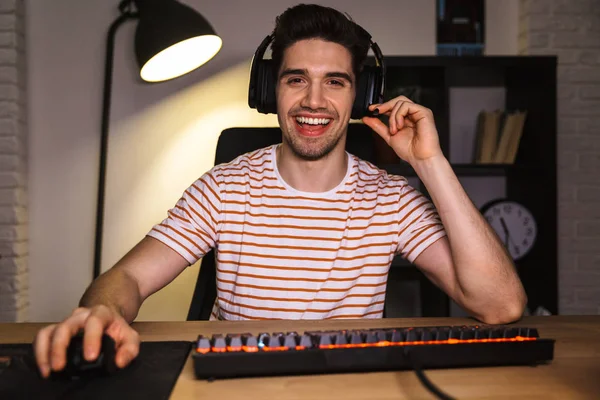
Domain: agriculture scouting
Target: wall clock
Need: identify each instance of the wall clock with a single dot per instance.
(514, 223)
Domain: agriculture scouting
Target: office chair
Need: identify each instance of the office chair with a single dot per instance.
(234, 142)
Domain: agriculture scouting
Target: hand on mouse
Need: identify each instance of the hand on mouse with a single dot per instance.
(51, 342)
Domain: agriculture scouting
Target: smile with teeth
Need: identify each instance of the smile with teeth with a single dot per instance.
(313, 121)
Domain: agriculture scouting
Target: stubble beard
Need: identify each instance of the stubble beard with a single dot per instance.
(311, 149)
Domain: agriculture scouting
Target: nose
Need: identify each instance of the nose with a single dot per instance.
(314, 98)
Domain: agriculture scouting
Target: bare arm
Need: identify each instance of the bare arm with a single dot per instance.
(471, 264)
(109, 305)
(147, 268)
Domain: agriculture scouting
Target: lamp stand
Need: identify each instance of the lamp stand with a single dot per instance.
(126, 14)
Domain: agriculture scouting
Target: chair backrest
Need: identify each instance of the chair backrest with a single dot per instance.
(232, 143)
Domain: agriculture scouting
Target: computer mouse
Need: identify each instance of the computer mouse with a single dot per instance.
(77, 366)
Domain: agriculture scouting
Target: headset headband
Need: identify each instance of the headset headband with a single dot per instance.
(370, 89)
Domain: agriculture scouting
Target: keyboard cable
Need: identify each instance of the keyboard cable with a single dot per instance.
(409, 353)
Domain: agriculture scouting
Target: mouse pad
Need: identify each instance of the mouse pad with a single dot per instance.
(152, 375)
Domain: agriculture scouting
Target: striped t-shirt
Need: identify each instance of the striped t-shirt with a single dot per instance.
(287, 254)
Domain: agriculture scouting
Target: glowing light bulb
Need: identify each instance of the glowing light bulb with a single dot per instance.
(181, 58)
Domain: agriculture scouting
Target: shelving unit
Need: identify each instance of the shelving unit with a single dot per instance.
(456, 89)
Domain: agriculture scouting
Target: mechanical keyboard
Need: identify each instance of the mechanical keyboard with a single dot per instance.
(364, 350)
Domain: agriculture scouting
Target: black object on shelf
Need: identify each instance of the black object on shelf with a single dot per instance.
(460, 27)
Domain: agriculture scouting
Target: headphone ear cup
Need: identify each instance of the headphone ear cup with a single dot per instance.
(260, 84)
(269, 96)
(265, 88)
(368, 91)
(253, 85)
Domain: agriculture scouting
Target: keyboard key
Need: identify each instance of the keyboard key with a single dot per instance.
(263, 339)
(454, 333)
(273, 341)
(356, 338)
(250, 341)
(496, 333)
(467, 333)
(482, 333)
(290, 341)
(340, 339)
(219, 343)
(381, 336)
(442, 333)
(399, 336)
(203, 345)
(427, 335)
(390, 332)
(306, 341)
(324, 340)
(371, 337)
(235, 342)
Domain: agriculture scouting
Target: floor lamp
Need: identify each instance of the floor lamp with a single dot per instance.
(171, 39)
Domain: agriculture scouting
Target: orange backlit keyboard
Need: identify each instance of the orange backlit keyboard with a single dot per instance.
(317, 352)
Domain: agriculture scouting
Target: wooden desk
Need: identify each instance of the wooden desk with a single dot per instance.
(574, 373)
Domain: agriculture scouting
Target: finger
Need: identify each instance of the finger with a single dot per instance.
(401, 116)
(41, 346)
(80, 310)
(414, 113)
(379, 127)
(407, 123)
(61, 338)
(96, 323)
(394, 126)
(128, 348)
(389, 105)
(384, 108)
(374, 107)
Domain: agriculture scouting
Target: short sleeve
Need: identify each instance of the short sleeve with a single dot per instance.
(191, 226)
(419, 223)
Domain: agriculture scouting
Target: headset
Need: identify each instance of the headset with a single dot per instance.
(261, 94)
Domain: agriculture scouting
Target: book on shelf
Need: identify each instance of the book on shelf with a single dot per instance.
(498, 136)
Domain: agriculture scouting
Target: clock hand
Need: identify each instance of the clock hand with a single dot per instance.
(505, 228)
(508, 238)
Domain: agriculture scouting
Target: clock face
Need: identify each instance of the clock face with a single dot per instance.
(514, 225)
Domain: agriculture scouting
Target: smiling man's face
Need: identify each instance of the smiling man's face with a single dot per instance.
(315, 93)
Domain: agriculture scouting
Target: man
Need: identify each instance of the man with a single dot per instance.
(304, 229)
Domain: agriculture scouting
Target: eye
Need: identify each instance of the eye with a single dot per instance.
(292, 81)
(336, 82)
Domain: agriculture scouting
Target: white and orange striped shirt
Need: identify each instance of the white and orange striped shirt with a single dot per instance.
(286, 254)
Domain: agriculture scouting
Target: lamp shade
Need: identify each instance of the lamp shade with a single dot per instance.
(172, 39)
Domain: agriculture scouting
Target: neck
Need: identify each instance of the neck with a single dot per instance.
(312, 176)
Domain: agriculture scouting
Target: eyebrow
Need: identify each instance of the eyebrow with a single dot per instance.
(304, 72)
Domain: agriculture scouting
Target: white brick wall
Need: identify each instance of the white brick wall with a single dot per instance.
(571, 30)
(14, 277)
